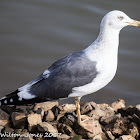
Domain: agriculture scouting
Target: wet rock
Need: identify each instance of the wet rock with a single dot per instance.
(33, 120)
(65, 129)
(4, 118)
(126, 137)
(109, 119)
(45, 105)
(87, 107)
(118, 104)
(88, 128)
(69, 108)
(19, 120)
(49, 116)
(45, 127)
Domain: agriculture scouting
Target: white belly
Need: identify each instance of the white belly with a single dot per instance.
(106, 67)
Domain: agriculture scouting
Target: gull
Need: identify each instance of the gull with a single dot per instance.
(79, 73)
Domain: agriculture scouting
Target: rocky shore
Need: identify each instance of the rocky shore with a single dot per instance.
(51, 121)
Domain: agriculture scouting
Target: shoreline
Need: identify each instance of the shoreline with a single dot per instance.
(49, 120)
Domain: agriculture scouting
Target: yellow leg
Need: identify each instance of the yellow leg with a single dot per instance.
(78, 110)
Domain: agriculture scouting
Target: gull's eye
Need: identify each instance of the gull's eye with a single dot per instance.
(120, 17)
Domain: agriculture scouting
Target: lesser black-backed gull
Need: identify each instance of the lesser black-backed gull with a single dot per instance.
(79, 73)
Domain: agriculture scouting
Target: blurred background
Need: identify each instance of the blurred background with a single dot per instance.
(35, 33)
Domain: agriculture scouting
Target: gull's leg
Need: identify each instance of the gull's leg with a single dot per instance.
(77, 100)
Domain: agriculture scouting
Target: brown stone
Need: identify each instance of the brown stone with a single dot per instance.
(133, 130)
(19, 120)
(101, 136)
(109, 134)
(4, 118)
(49, 116)
(8, 109)
(87, 107)
(88, 128)
(126, 137)
(45, 127)
(63, 137)
(69, 108)
(109, 119)
(118, 104)
(65, 129)
(45, 105)
(33, 120)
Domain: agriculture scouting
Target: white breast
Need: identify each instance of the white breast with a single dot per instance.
(106, 66)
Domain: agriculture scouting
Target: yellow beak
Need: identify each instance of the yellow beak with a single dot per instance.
(134, 23)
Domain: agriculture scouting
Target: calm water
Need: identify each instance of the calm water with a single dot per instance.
(35, 33)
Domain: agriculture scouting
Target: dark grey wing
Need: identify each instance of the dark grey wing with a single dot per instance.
(70, 71)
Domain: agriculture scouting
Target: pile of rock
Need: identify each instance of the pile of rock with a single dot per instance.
(49, 120)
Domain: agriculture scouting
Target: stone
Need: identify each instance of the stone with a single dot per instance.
(4, 118)
(26, 138)
(133, 130)
(88, 128)
(8, 109)
(63, 137)
(138, 106)
(126, 137)
(121, 126)
(45, 127)
(33, 120)
(45, 105)
(49, 116)
(66, 120)
(87, 107)
(77, 137)
(118, 104)
(19, 120)
(109, 134)
(69, 108)
(109, 119)
(65, 129)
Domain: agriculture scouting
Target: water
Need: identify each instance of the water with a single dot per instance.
(34, 34)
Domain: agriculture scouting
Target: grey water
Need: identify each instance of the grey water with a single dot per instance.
(35, 33)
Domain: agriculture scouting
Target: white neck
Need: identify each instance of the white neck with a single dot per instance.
(107, 42)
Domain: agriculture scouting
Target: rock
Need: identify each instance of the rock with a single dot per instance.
(19, 120)
(126, 137)
(4, 118)
(69, 108)
(100, 137)
(45, 127)
(121, 126)
(63, 137)
(77, 137)
(33, 120)
(66, 120)
(109, 134)
(8, 109)
(88, 128)
(138, 106)
(109, 119)
(118, 104)
(87, 107)
(133, 130)
(49, 116)
(26, 138)
(65, 129)
(8, 130)
(40, 111)
(45, 105)
(1, 128)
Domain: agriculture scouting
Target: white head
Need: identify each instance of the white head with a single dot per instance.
(117, 20)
